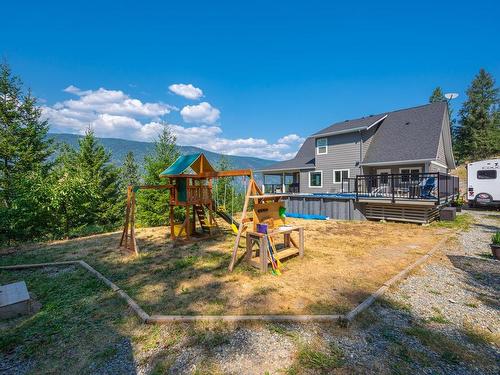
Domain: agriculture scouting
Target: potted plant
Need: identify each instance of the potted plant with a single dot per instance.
(495, 245)
(458, 203)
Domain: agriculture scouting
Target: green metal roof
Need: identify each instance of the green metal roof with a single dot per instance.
(180, 165)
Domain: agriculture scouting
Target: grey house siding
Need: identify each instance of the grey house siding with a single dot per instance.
(368, 138)
(437, 168)
(394, 168)
(343, 153)
(304, 183)
(441, 157)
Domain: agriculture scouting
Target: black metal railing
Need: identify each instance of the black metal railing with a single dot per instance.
(348, 185)
(278, 188)
(439, 187)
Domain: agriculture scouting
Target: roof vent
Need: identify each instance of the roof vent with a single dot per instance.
(407, 123)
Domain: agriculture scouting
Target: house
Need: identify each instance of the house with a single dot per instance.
(392, 157)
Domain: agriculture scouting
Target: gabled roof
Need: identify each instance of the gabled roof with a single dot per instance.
(408, 134)
(402, 135)
(197, 162)
(303, 160)
(348, 126)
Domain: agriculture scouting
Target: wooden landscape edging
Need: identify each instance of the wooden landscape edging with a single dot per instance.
(164, 319)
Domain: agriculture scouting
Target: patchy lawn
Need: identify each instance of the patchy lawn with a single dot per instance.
(85, 328)
(344, 262)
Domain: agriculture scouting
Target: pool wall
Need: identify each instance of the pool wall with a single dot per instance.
(337, 208)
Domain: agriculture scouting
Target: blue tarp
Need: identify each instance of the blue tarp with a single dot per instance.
(305, 216)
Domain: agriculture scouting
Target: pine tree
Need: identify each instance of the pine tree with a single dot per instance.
(94, 161)
(24, 151)
(153, 204)
(228, 192)
(437, 96)
(478, 136)
(130, 171)
(223, 189)
(74, 194)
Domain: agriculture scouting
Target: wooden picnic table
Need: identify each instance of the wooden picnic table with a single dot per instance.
(290, 247)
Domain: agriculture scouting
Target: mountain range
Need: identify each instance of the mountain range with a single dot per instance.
(120, 147)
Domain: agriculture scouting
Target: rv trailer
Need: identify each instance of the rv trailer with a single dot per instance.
(483, 180)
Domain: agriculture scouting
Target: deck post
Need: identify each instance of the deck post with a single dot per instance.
(447, 191)
(438, 192)
(356, 188)
(392, 188)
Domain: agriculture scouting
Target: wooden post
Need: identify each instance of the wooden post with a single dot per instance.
(301, 242)
(249, 245)
(286, 240)
(132, 224)
(263, 253)
(241, 226)
(188, 224)
(172, 222)
(124, 238)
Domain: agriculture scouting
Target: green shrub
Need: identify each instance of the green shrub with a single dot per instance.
(495, 239)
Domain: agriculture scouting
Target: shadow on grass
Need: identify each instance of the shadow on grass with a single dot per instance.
(408, 344)
(74, 331)
(482, 273)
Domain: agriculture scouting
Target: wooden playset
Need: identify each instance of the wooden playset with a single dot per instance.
(189, 182)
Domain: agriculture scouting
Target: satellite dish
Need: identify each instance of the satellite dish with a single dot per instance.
(451, 95)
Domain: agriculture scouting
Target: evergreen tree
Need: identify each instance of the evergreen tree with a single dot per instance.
(153, 204)
(437, 96)
(478, 136)
(228, 192)
(130, 171)
(74, 194)
(222, 189)
(94, 161)
(24, 150)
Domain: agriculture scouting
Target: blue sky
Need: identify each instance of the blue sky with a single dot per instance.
(266, 70)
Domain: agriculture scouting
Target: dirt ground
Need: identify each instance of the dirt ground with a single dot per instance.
(344, 262)
(418, 327)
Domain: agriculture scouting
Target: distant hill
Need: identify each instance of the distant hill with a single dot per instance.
(120, 147)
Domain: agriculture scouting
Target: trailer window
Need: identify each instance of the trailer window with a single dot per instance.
(487, 174)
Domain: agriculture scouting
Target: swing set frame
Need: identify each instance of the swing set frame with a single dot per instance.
(188, 190)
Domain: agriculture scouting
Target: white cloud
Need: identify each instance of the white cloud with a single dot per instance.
(114, 102)
(291, 138)
(202, 113)
(112, 113)
(188, 91)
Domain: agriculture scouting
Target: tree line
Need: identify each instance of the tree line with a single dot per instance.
(476, 130)
(50, 191)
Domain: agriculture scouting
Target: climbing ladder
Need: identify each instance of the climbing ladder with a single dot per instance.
(206, 227)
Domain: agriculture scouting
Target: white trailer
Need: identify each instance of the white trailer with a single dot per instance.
(483, 179)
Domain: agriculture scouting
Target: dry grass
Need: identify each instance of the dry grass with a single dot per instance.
(344, 262)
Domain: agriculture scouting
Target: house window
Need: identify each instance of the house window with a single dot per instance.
(321, 146)
(410, 174)
(339, 175)
(316, 179)
(487, 174)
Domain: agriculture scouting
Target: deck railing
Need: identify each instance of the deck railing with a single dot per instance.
(278, 188)
(439, 187)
